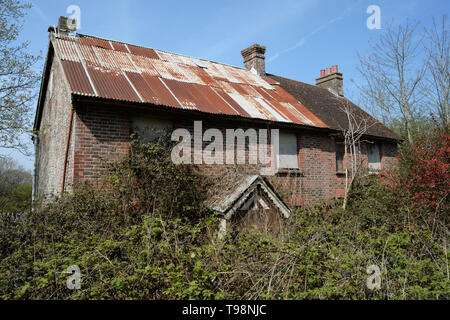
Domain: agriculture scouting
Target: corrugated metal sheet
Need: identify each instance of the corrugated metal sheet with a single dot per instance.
(89, 55)
(112, 84)
(216, 100)
(78, 80)
(161, 92)
(144, 64)
(126, 72)
(115, 60)
(119, 46)
(66, 50)
(144, 52)
(96, 42)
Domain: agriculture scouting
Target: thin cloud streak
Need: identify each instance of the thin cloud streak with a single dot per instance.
(309, 35)
(41, 14)
(248, 31)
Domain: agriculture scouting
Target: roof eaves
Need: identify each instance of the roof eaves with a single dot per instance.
(77, 97)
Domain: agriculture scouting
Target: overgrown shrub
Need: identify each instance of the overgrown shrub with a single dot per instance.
(143, 234)
(420, 187)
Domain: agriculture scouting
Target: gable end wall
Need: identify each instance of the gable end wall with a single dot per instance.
(53, 133)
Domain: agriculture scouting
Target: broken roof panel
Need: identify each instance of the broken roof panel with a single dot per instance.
(119, 71)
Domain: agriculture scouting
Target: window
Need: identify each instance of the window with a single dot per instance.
(373, 157)
(149, 128)
(340, 152)
(288, 158)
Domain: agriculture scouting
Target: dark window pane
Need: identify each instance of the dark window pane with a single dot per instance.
(340, 157)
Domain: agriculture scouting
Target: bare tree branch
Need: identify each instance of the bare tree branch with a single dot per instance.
(392, 75)
(437, 85)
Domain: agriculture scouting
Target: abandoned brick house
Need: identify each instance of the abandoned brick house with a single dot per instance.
(96, 92)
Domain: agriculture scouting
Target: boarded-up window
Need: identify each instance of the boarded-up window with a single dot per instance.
(373, 157)
(340, 152)
(149, 129)
(288, 158)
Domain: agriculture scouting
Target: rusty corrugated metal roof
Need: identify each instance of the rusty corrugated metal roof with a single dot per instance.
(115, 70)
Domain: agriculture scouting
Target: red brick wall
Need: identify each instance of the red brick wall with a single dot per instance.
(101, 135)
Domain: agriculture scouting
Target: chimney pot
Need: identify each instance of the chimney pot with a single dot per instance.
(332, 80)
(254, 58)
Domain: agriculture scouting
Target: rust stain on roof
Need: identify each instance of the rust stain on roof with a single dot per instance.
(144, 52)
(115, 70)
(78, 80)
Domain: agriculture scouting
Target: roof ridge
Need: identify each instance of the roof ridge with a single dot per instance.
(162, 50)
(308, 84)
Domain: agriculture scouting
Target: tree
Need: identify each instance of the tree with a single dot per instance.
(12, 175)
(392, 74)
(17, 79)
(358, 123)
(438, 76)
(15, 187)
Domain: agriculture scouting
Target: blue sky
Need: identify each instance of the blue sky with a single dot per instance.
(301, 36)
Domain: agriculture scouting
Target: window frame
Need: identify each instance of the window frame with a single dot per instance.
(341, 144)
(295, 146)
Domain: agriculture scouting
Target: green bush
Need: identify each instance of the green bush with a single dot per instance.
(18, 200)
(143, 233)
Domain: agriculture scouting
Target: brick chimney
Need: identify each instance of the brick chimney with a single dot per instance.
(254, 58)
(332, 79)
(67, 26)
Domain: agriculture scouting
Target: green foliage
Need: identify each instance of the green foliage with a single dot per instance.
(420, 126)
(17, 78)
(133, 240)
(15, 187)
(18, 200)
